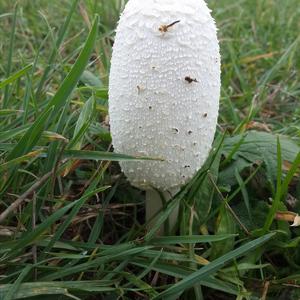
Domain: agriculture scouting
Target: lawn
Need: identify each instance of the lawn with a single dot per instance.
(72, 227)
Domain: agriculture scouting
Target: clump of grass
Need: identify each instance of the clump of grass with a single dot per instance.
(70, 224)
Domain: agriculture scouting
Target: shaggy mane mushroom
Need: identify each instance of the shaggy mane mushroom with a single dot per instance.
(164, 93)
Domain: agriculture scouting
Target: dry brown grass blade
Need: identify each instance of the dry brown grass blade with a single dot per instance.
(24, 196)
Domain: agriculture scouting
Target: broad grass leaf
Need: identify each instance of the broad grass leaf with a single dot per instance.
(89, 79)
(256, 147)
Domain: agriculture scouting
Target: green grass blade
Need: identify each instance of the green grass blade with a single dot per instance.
(61, 229)
(31, 137)
(39, 289)
(98, 225)
(95, 263)
(15, 162)
(13, 289)
(55, 49)
(30, 237)
(10, 55)
(72, 78)
(272, 72)
(180, 271)
(99, 155)
(8, 112)
(213, 267)
(191, 239)
(12, 78)
(278, 195)
(292, 171)
(12, 133)
(84, 120)
(29, 91)
(244, 192)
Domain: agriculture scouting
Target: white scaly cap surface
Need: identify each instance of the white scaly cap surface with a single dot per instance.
(154, 111)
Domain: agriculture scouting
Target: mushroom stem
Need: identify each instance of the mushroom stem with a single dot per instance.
(155, 202)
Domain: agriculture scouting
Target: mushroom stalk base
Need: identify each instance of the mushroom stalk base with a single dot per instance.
(154, 204)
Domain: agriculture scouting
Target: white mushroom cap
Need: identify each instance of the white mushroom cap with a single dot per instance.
(164, 90)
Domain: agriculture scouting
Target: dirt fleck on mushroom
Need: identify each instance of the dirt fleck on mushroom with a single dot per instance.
(165, 28)
(190, 80)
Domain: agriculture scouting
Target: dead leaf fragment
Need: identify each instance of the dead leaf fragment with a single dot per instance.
(296, 221)
(288, 216)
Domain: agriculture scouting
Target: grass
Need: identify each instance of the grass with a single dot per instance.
(70, 224)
